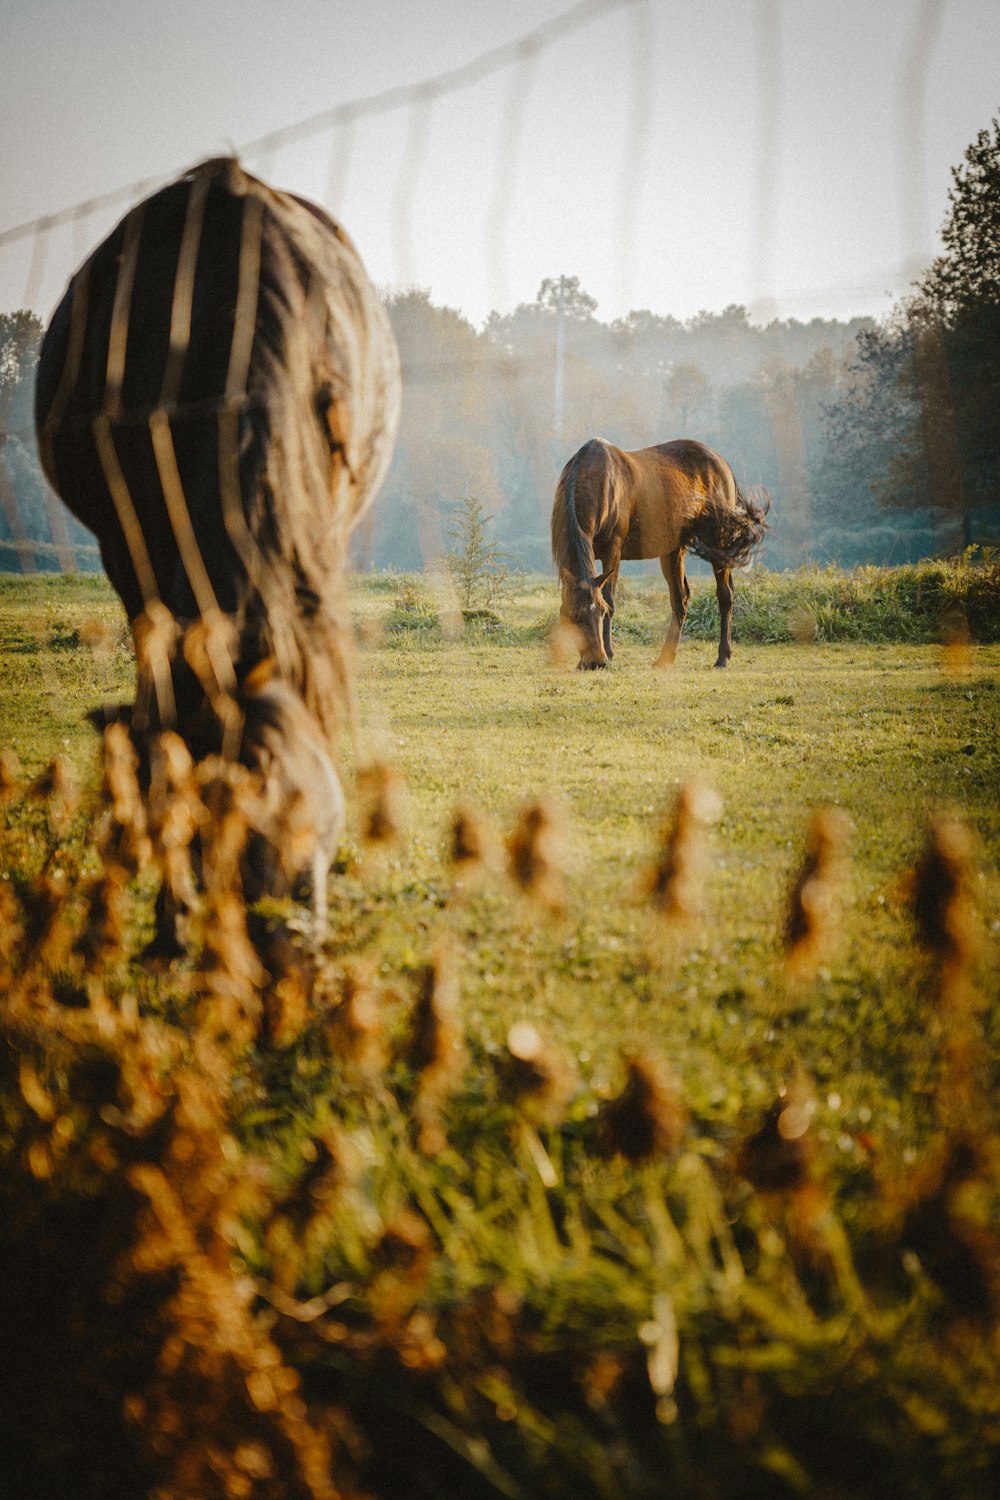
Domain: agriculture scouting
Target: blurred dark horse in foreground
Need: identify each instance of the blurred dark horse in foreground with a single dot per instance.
(217, 400)
(658, 502)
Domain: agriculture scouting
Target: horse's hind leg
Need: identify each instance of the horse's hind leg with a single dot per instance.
(672, 566)
(724, 592)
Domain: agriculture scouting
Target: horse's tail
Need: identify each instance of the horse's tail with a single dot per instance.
(728, 536)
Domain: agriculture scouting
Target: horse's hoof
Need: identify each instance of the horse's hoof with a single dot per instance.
(718, 666)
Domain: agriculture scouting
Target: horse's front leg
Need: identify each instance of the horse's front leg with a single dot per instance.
(608, 592)
(672, 566)
(725, 592)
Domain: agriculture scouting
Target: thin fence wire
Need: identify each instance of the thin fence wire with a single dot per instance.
(911, 111)
(769, 71)
(521, 61)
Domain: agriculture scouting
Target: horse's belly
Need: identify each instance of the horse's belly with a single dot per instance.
(652, 532)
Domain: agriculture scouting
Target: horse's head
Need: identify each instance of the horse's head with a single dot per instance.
(584, 608)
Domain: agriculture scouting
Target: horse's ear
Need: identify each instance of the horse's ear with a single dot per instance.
(565, 576)
(603, 578)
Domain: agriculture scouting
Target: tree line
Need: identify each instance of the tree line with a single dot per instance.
(877, 441)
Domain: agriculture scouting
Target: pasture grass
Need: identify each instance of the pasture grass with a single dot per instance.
(498, 1303)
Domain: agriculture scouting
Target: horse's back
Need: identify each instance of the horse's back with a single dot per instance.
(687, 462)
(667, 489)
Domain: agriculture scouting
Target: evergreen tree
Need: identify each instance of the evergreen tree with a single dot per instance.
(957, 329)
(920, 421)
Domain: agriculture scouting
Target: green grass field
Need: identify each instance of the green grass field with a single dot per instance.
(521, 1338)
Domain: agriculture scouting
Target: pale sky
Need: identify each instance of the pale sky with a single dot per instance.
(675, 155)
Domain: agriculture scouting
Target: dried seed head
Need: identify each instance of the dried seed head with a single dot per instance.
(384, 790)
(356, 1031)
(286, 1008)
(648, 1117)
(434, 1046)
(11, 927)
(942, 907)
(812, 902)
(231, 797)
(175, 807)
(10, 776)
(47, 933)
(676, 881)
(434, 1050)
(210, 646)
(124, 838)
(405, 1246)
(472, 842)
(947, 1224)
(535, 851)
(321, 1181)
(58, 786)
(778, 1157)
(532, 1075)
(229, 963)
(155, 633)
(102, 936)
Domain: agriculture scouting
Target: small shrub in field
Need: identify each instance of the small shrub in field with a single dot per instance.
(917, 603)
(412, 611)
(477, 565)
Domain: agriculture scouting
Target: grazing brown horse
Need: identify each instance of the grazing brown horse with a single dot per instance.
(657, 502)
(217, 399)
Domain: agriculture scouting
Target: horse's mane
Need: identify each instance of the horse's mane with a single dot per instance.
(570, 547)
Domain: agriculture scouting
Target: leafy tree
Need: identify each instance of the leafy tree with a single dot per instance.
(20, 339)
(576, 303)
(685, 397)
